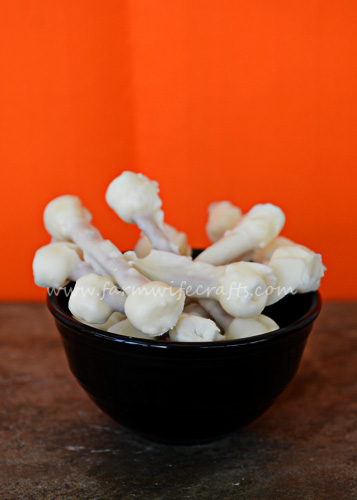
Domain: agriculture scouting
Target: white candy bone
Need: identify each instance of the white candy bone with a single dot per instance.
(216, 311)
(255, 230)
(238, 328)
(143, 246)
(125, 328)
(222, 216)
(264, 255)
(154, 308)
(134, 198)
(193, 328)
(189, 328)
(95, 298)
(297, 269)
(113, 320)
(196, 309)
(66, 218)
(241, 328)
(240, 288)
(56, 263)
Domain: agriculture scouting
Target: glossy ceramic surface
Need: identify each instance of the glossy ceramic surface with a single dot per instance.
(186, 392)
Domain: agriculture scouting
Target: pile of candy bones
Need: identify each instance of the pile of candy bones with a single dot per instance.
(158, 291)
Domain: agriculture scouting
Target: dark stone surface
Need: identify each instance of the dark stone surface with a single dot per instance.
(55, 444)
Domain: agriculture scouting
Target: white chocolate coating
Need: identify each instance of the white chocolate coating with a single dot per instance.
(240, 287)
(134, 198)
(113, 320)
(96, 268)
(222, 216)
(216, 311)
(194, 308)
(54, 264)
(177, 270)
(236, 292)
(66, 217)
(155, 232)
(255, 230)
(297, 269)
(179, 239)
(125, 328)
(86, 301)
(132, 194)
(155, 307)
(245, 286)
(264, 255)
(236, 328)
(110, 259)
(143, 246)
(60, 215)
(241, 328)
(192, 328)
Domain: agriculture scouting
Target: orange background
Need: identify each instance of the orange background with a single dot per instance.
(251, 101)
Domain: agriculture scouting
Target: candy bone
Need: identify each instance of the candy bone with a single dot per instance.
(264, 255)
(94, 298)
(65, 217)
(222, 216)
(240, 288)
(134, 198)
(238, 328)
(196, 309)
(216, 311)
(112, 320)
(94, 265)
(241, 328)
(56, 263)
(124, 327)
(176, 268)
(155, 307)
(193, 328)
(297, 269)
(143, 246)
(255, 230)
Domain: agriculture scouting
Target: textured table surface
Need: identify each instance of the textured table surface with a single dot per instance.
(55, 443)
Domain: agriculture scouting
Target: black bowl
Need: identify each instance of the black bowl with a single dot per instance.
(185, 393)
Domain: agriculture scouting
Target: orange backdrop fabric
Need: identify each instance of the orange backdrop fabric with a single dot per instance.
(215, 99)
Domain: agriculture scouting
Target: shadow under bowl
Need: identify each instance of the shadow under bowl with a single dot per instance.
(186, 393)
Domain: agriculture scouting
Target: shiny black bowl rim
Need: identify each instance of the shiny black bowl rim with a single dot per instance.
(91, 332)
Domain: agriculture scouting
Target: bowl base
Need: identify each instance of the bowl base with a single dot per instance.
(173, 432)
